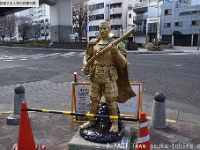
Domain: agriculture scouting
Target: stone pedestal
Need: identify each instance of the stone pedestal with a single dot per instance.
(158, 114)
(78, 143)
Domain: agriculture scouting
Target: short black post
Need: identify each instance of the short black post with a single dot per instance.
(158, 113)
(13, 119)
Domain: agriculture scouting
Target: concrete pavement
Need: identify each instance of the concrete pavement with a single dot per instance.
(53, 130)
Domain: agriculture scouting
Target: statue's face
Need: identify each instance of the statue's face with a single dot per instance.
(104, 30)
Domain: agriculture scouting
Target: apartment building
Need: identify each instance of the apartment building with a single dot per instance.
(146, 18)
(118, 15)
(41, 19)
(113, 10)
(97, 11)
(180, 24)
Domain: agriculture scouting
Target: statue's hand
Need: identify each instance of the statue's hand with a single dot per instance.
(86, 70)
(114, 49)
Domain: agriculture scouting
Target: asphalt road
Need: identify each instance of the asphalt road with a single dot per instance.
(175, 74)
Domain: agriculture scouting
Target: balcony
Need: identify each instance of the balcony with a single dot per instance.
(140, 31)
(116, 1)
(140, 9)
(139, 19)
(115, 21)
(118, 10)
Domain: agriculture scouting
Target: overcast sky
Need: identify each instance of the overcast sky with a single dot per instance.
(24, 13)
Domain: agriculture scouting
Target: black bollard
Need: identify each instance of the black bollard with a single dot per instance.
(158, 113)
(13, 119)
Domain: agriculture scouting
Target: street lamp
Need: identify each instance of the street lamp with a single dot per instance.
(158, 24)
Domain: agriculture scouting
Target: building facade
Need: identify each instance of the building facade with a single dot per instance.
(97, 11)
(41, 21)
(180, 25)
(113, 10)
(118, 15)
(146, 18)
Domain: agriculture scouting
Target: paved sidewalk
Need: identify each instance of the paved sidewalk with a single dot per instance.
(54, 130)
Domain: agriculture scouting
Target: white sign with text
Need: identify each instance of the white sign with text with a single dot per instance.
(83, 100)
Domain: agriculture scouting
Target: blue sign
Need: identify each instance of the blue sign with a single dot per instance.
(96, 33)
(87, 29)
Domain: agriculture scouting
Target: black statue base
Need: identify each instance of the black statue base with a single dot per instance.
(99, 133)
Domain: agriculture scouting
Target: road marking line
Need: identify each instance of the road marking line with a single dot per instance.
(167, 120)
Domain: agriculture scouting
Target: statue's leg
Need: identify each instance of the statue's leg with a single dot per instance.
(111, 94)
(94, 103)
(112, 108)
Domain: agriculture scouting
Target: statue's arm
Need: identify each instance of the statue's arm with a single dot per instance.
(88, 55)
(119, 54)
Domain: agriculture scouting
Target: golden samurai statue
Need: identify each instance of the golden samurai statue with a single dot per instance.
(109, 75)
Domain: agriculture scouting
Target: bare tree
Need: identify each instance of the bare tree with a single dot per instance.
(36, 30)
(45, 30)
(80, 19)
(3, 28)
(24, 26)
(11, 25)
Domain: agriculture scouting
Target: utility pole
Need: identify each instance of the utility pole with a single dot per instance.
(198, 42)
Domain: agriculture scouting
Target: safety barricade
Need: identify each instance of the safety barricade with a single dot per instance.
(80, 102)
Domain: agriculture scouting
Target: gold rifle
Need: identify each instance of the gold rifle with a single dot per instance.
(103, 51)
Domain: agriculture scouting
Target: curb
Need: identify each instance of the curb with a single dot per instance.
(139, 51)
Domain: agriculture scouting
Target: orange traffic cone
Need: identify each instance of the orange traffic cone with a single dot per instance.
(25, 138)
(143, 142)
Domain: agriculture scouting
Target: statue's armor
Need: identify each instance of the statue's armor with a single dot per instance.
(104, 74)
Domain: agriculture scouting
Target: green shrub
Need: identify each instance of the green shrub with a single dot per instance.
(139, 44)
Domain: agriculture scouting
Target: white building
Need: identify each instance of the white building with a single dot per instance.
(41, 16)
(118, 15)
(113, 10)
(97, 11)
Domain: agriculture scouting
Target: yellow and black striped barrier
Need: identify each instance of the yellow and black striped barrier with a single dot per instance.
(81, 114)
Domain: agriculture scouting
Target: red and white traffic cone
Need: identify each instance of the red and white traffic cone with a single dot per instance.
(143, 142)
(25, 138)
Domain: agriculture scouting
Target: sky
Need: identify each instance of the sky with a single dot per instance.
(24, 12)
(195, 2)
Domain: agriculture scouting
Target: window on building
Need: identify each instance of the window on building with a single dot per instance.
(116, 27)
(116, 5)
(195, 22)
(46, 20)
(139, 27)
(130, 7)
(129, 15)
(96, 17)
(94, 28)
(168, 12)
(116, 16)
(100, 6)
(152, 27)
(167, 25)
(178, 24)
(42, 21)
(96, 6)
